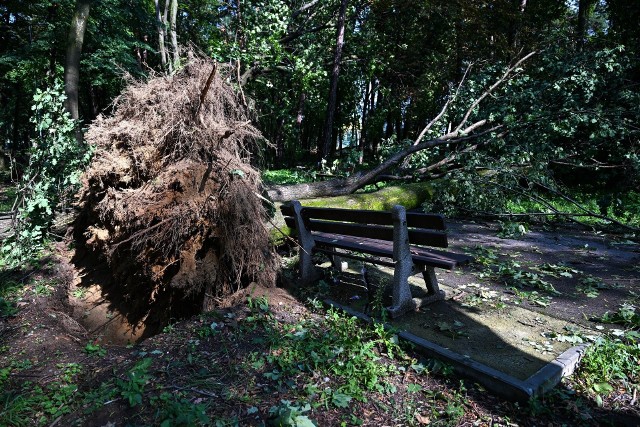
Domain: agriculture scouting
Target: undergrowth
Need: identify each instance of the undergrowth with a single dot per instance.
(611, 363)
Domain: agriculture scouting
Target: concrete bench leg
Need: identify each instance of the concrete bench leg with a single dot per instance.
(434, 293)
(402, 300)
(308, 271)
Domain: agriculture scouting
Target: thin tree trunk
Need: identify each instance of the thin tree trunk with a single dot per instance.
(52, 16)
(279, 138)
(173, 15)
(363, 129)
(160, 24)
(585, 10)
(516, 25)
(74, 50)
(327, 130)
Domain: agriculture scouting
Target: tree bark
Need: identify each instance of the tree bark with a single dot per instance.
(74, 50)
(585, 10)
(327, 130)
(161, 24)
(173, 14)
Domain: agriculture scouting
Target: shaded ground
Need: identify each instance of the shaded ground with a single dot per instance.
(523, 302)
(235, 365)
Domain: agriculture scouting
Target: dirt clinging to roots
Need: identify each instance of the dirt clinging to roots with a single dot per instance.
(171, 200)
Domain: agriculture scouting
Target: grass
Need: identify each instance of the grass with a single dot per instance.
(287, 176)
(224, 368)
(7, 198)
(612, 363)
(33, 404)
(621, 207)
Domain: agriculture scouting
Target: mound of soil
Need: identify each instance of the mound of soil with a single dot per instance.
(171, 201)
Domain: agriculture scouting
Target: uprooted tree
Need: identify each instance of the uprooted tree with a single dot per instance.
(170, 200)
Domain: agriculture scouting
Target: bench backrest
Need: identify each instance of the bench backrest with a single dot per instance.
(424, 229)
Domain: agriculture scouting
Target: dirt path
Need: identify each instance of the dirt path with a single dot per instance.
(578, 275)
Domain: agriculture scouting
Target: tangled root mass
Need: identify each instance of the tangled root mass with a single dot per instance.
(171, 200)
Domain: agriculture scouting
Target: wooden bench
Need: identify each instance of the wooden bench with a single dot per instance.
(405, 237)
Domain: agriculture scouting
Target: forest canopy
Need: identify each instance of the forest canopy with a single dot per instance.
(338, 87)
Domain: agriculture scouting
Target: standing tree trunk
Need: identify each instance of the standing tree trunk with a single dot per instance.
(173, 14)
(74, 50)
(516, 25)
(160, 24)
(585, 10)
(327, 130)
(363, 126)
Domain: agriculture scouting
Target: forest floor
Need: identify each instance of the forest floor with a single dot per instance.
(278, 356)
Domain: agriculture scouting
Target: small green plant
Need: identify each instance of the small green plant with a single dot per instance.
(591, 286)
(208, 330)
(43, 288)
(95, 349)
(79, 293)
(509, 230)
(625, 315)
(7, 308)
(175, 410)
(260, 303)
(137, 378)
(336, 346)
(32, 404)
(288, 414)
(611, 359)
(532, 297)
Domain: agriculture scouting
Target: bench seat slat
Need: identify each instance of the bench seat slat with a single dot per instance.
(332, 252)
(421, 256)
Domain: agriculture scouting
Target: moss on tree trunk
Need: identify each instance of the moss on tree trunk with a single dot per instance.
(408, 195)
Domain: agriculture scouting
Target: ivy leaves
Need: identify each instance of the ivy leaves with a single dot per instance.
(56, 161)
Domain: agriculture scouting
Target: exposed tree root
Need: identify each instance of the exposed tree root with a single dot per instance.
(170, 200)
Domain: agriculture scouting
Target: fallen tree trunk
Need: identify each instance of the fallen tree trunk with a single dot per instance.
(463, 132)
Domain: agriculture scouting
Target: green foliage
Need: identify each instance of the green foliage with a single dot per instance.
(132, 387)
(7, 198)
(174, 410)
(288, 414)
(56, 160)
(335, 346)
(7, 308)
(611, 360)
(512, 229)
(95, 349)
(569, 117)
(33, 404)
(625, 315)
(286, 176)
